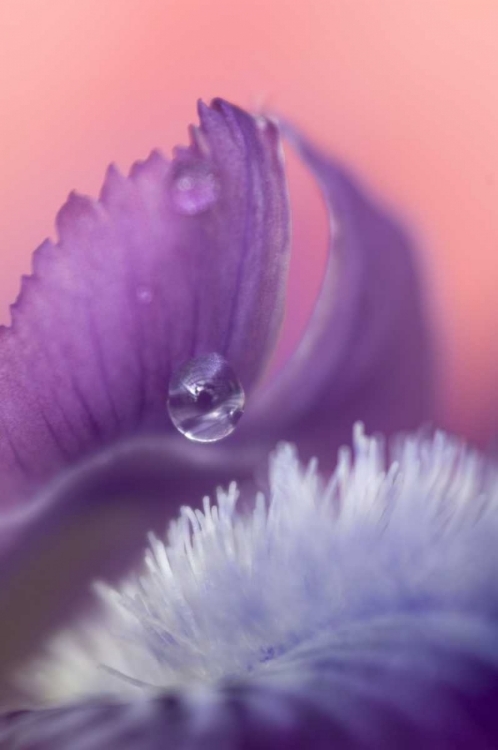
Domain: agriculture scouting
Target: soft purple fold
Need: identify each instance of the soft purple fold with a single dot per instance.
(189, 257)
(366, 354)
(182, 258)
(426, 681)
(91, 524)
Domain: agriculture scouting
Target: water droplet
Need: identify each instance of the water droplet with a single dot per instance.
(205, 399)
(144, 294)
(194, 188)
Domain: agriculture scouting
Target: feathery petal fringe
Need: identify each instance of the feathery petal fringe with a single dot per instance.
(231, 590)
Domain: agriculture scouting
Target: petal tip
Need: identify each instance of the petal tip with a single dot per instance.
(198, 141)
(78, 210)
(113, 180)
(154, 164)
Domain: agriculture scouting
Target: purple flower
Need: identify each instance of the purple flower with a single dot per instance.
(358, 613)
(188, 258)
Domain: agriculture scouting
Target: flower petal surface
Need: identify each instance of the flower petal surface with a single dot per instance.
(366, 353)
(182, 258)
(357, 615)
(424, 681)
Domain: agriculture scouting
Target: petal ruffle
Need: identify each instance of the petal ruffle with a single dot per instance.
(366, 354)
(424, 681)
(182, 258)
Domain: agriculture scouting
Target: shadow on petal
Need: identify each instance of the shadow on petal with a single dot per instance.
(92, 523)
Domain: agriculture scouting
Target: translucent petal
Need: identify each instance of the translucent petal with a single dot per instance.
(182, 258)
(367, 352)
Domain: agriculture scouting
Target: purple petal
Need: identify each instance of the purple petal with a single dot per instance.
(366, 354)
(425, 681)
(181, 258)
(92, 523)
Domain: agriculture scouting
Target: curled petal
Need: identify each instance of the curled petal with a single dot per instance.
(366, 353)
(182, 258)
(425, 681)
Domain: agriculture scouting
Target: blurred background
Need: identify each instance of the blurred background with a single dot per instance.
(404, 91)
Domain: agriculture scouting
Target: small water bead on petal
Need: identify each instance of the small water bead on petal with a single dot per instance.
(205, 399)
(144, 294)
(195, 187)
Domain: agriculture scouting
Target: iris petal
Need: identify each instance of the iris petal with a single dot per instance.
(182, 258)
(366, 353)
(412, 681)
(408, 680)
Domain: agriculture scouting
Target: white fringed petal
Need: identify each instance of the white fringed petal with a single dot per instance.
(230, 591)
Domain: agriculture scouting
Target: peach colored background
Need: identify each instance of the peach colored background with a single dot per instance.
(405, 90)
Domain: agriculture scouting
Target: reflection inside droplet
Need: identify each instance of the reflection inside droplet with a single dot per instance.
(205, 398)
(194, 187)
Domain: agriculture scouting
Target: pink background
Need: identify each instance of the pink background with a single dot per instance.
(406, 91)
